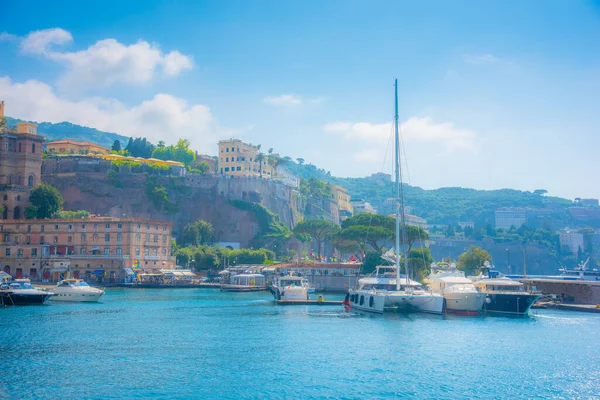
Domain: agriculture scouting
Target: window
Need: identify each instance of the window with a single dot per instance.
(147, 228)
(6, 237)
(155, 238)
(42, 228)
(227, 159)
(106, 251)
(82, 228)
(120, 227)
(69, 228)
(232, 149)
(83, 238)
(137, 238)
(7, 252)
(19, 252)
(28, 240)
(164, 229)
(33, 252)
(28, 228)
(239, 168)
(146, 252)
(55, 239)
(147, 238)
(139, 227)
(19, 197)
(107, 227)
(155, 228)
(164, 252)
(164, 238)
(221, 170)
(227, 150)
(33, 147)
(95, 227)
(107, 237)
(226, 169)
(19, 147)
(69, 239)
(82, 251)
(119, 238)
(42, 239)
(137, 252)
(119, 251)
(17, 239)
(95, 238)
(55, 227)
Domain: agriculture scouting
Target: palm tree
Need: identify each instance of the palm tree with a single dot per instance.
(259, 158)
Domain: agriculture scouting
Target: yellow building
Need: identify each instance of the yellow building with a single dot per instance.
(72, 147)
(237, 158)
(342, 199)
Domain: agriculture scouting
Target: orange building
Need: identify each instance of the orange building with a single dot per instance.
(68, 146)
(20, 166)
(97, 249)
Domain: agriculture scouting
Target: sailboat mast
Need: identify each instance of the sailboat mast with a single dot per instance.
(397, 168)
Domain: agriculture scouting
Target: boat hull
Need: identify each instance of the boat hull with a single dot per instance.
(422, 302)
(77, 297)
(464, 302)
(367, 301)
(24, 299)
(242, 288)
(290, 294)
(509, 304)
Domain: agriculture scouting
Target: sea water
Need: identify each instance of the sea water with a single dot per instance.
(201, 343)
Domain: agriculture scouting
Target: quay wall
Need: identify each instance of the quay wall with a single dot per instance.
(574, 292)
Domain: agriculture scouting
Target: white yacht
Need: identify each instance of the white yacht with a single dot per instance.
(76, 290)
(388, 293)
(311, 290)
(379, 293)
(290, 288)
(460, 295)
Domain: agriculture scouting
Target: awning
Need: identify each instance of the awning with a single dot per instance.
(128, 271)
(60, 268)
(98, 272)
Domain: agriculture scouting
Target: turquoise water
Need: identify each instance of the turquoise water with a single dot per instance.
(196, 343)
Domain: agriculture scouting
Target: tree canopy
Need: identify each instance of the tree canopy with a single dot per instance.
(473, 259)
(319, 229)
(116, 145)
(179, 152)
(46, 199)
(198, 233)
(140, 147)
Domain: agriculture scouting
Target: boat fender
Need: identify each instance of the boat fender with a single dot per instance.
(488, 300)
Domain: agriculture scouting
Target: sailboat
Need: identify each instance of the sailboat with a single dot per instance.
(387, 290)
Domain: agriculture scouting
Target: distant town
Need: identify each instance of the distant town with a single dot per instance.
(132, 206)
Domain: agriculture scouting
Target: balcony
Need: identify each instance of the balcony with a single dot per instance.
(99, 257)
(152, 258)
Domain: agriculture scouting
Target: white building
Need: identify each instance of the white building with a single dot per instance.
(571, 239)
(362, 207)
(507, 217)
(285, 176)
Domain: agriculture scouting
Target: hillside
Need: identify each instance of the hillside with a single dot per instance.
(439, 206)
(67, 130)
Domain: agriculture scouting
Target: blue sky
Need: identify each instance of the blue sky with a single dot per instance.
(492, 94)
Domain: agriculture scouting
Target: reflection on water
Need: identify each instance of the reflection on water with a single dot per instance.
(153, 343)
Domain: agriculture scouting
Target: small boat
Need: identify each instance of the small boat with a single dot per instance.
(245, 283)
(290, 287)
(460, 295)
(20, 292)
(76, 290)
(311, 290)
(504, 295)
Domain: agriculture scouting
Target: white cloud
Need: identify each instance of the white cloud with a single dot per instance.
(285, 100)
(7, 37)
(480, 59)
(106, 62)
(164, 117)
(415, 129)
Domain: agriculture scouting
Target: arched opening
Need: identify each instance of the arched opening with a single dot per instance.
(5, 213)
(30, 181)
(17, 213)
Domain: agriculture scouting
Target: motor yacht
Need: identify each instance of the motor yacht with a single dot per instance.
(20, 292)
(290, 288)
(311, 290)
(459, 293)
(76, 290)
(379, 292)
(504, 295)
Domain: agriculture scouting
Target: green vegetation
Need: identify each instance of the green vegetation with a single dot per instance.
(201, 168)
(71, 214)
(198, 233)
(116, 146)
(472, 260)
(67, 130)
(159, 195)
(206, 257)
(319, 229)
(180, 152)
(140, 147)
(46, 199)
(125, 163)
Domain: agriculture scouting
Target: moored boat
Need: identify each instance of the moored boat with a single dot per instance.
(459, 293)
(20, 292)
(245, 283)
(76, 290)
(290, 288)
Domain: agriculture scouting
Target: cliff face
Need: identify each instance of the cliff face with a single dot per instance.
(90, 185)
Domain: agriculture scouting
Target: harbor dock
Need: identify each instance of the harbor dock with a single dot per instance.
(309, 302)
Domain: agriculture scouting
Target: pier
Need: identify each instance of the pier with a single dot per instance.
(309, 302)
